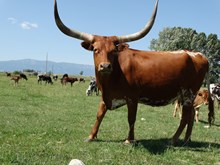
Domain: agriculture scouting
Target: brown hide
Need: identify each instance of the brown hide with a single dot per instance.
(153, 78)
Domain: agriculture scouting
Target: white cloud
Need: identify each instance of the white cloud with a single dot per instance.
(24, 25)
(27, 25)
(12, 20)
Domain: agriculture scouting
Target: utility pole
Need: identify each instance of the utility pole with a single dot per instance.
(46, 62)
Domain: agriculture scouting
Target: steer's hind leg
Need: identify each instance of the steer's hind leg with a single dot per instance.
(100, 115)
(179, 130)
(188, 114)
(132, 111)
(190, 122)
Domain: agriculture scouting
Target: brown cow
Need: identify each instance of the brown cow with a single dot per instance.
(82, 80)
(16, 79)
(202, 98)
(8, 74)
(70, 80)
(129, 76)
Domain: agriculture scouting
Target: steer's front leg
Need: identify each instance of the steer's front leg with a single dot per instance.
(100, 115)
(132, 111)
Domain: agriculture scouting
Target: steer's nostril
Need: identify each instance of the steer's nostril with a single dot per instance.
(105, 67)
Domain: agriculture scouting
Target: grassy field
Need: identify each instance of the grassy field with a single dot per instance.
(47, 124)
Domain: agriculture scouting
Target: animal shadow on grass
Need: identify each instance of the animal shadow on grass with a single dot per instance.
(213, 124)
(160, 146)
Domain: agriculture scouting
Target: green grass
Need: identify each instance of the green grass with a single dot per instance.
(47, 124)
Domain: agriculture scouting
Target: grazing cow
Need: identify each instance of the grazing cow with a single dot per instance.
(8, 74)
(22, 75)
(202, 98)
(65, 75)
(55, 77)
(16, 79)
(45, 78)
(129, 76)
(92, 88)
(62, 79)
(81, 80)
(71, 80)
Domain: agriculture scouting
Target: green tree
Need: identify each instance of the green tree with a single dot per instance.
(198, 42)
(81, 73)
(173, 39)
(212, 51)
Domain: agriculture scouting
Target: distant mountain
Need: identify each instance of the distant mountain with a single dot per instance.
(40, 66)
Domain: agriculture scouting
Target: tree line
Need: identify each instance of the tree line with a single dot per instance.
(177, 38)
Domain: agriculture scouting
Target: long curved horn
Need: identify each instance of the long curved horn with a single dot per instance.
(70, 32)
(89, 37)
(143, 32)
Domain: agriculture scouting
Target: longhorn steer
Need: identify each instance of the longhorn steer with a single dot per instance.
(129, 76)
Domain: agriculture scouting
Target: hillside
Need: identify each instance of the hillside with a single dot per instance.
(40, 66)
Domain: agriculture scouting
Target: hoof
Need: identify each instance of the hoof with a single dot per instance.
(172, 143)
(88, 140)
(207, 126)
(129, 141)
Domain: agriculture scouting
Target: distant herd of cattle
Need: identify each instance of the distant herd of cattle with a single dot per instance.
(92, 88)
(64, 80)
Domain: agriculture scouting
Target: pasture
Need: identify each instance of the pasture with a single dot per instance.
(47, 124)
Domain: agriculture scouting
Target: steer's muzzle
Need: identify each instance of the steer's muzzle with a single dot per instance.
(206, 102)
(105, 68)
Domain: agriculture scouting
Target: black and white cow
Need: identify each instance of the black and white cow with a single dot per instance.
(22, 75)
(45, 78)
(55, 77)
(92, 88)
(215, 92)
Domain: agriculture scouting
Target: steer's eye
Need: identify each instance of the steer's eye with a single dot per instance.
(95, 50)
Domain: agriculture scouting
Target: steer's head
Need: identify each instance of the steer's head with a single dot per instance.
(104, 52)
(104, 48)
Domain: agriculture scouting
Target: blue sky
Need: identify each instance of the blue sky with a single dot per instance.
(28, 30)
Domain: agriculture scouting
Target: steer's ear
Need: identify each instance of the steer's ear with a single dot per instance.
(122, 47)
(87, 45)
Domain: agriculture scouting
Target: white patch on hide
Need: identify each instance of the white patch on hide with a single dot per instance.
(178, 51)
(118, 103)
(192, 54)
